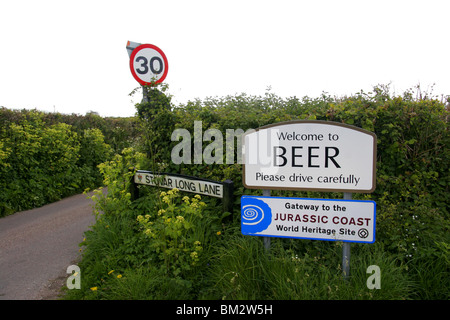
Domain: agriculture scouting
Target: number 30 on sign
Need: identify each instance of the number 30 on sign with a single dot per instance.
(148, 63)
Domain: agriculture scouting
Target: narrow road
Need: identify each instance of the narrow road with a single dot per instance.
(37, 246)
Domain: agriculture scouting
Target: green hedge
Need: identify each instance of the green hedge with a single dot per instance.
(413, 140)
(413, 151)
(119, 133)
(43, 161)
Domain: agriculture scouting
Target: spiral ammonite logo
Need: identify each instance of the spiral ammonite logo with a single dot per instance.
(256, 215)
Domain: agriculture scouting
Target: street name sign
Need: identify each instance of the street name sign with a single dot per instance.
(305, 218)
(310, 155)
(148, 63)
(170, 181)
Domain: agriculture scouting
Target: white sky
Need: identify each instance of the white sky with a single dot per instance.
(71, 56)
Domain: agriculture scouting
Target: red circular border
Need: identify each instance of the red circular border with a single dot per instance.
(151, 46)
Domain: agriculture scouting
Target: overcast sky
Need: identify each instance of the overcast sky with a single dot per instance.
(71, 57)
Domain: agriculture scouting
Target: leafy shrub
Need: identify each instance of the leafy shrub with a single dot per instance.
(172, 232)
(42, 163)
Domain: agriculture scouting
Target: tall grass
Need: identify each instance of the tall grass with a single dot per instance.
(244, 269)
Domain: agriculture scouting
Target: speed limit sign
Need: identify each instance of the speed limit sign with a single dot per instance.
(148, 64)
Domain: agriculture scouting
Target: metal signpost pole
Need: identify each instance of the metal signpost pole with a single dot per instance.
(266, 193)
(144, 94)
(346, 248)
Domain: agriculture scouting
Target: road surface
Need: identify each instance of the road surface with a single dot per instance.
(37, 246)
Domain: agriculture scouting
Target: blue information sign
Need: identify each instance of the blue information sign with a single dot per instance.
(305, 218)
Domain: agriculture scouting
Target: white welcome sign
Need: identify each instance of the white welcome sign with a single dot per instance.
(310, 155)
